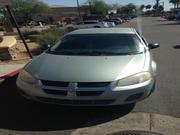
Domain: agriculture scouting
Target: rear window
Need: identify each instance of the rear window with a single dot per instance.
(105, 43)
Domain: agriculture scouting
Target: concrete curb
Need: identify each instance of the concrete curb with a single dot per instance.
(9, 68)
(1, 80)
(9, 75)
(8, 42)
(8, 71)
(166, 125)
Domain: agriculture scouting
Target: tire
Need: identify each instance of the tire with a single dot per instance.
(97, 27)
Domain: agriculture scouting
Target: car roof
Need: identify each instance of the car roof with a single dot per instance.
(104, 31)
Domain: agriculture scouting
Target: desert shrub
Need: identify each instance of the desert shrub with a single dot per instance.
(34, 38)
(50, 36)
(26, 34)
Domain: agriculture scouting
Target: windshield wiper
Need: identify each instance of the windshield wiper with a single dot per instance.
(108, 53)
(129, 53)
(91, 53)
(63, 52)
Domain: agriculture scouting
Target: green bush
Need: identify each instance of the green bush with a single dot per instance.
(50, 36)
(26, 34)
(34, 38)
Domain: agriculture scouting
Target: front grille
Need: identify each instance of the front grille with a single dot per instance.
(93, 84)
(89, 93)
(80, 84)
(55, 83)
(75, 102)
(61, 88)
(56, 92)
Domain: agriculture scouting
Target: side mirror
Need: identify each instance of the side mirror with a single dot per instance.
(46, 47)
(153, 45)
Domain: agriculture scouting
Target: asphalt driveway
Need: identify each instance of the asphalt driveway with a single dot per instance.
(166, 99)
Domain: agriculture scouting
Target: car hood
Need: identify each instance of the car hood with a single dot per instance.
(85, 68)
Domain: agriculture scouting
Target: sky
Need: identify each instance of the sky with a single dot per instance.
(137, 2)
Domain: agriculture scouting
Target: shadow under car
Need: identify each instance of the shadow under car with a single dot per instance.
(20, 114)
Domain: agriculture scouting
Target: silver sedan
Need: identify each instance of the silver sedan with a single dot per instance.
(92, 67)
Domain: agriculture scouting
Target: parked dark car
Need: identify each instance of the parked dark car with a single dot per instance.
(170, 16)
(116, 21)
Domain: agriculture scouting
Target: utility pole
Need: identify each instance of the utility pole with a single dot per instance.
(17, 27)
(79, 12)
(157, 7)
(163, 4)
(90, 6)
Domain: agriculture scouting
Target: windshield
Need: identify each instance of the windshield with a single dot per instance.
(102, 44)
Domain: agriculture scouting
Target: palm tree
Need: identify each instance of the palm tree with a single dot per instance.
(148, 7)
(157, 3)
(175, 3)
(142, 7)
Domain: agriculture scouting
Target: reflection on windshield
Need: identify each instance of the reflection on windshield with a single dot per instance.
(99, 44)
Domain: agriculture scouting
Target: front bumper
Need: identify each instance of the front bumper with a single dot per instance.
(110, 95)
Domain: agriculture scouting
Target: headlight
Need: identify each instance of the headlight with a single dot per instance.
(27, 77)
(135, 79)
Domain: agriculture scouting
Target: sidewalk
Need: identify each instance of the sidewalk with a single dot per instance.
(166, 125)
(9, 70)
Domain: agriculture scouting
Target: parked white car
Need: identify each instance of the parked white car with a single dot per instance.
(92, 67)
(110, 23)
(89, 24)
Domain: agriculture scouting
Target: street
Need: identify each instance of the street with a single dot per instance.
(166, 98)
(18, 114)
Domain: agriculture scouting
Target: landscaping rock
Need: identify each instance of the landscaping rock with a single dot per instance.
(9, 53)
(8, 48)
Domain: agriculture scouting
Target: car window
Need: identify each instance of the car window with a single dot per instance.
(115, 43)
